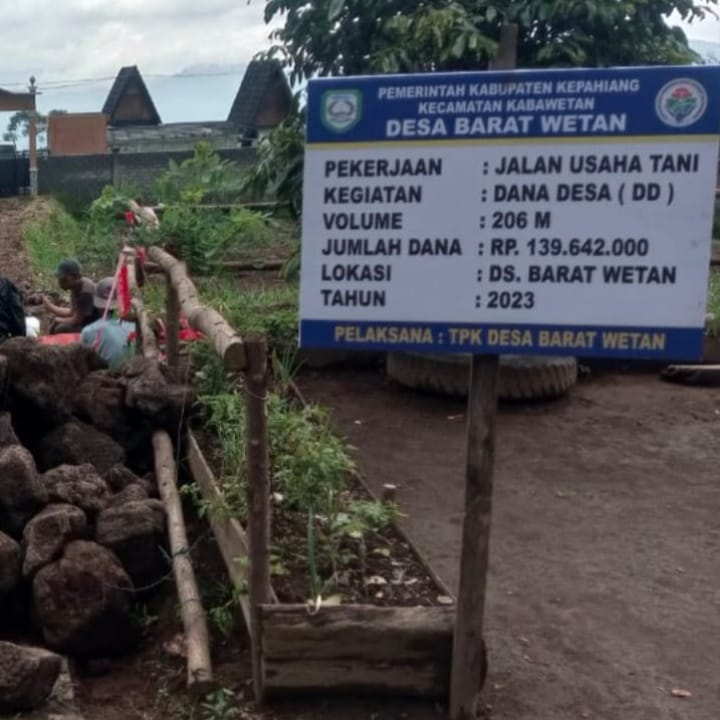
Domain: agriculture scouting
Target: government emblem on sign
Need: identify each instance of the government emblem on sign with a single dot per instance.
(341, 110)
(681, 103)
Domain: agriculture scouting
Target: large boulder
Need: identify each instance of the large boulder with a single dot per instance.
(27, 677)
(7, 431)
(150, 394)
(100, 401)
(77, 485)
(47, 534)
(75, 443)
(10, 563)
(132, 493)
(135, 532)
(43, 379)
(119, 477)
(82, 602)
(22, 494)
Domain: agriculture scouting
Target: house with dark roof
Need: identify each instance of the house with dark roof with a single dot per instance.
(129, 102)
(262, 102)
(264, 99)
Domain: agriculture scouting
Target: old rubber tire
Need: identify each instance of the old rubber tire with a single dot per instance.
(522, 377)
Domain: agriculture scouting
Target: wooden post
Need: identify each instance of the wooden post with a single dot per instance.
(224, 339)
(258, 497)
(172, 325)
(197, 643)
(32, 140)
(469, 663)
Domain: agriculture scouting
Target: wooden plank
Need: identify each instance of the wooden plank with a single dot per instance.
(357, 632)
(390, 678)
(228, 532)
(469, 660)
(258, 495)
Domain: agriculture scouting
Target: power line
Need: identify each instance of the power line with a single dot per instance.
(58, 84)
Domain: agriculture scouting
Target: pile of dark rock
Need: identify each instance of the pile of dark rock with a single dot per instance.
(82, 533)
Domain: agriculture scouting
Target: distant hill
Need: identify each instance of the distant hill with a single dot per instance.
(710, 51)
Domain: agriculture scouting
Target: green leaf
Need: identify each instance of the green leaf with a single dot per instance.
(335, 9)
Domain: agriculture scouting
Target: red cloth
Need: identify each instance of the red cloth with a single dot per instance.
(60, 339)
(185, 333)
(123, 292)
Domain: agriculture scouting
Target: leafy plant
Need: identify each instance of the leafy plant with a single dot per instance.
(279, 169)
(143, 617)
(220, 705)
(205, 177)
(222, 604)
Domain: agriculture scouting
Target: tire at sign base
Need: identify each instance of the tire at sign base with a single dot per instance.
(522, 377)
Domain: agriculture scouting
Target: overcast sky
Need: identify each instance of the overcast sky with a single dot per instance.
(69, 40)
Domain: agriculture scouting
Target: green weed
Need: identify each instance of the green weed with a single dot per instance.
(220, 705)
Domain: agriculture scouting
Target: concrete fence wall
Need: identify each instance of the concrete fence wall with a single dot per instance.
(79, 179)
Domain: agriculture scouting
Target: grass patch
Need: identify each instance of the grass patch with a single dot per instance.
(52, 234)
(323, 527)
(271, 311)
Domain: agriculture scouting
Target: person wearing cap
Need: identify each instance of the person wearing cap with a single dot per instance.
(82, 310)
(110, 338)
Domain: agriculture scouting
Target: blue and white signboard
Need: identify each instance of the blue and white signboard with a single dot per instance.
(558, 212)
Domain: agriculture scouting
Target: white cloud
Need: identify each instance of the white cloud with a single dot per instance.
(71, 39)
(707, 30)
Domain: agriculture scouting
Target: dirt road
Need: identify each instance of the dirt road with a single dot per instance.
(605, 570)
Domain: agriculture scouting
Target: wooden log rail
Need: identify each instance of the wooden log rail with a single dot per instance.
(227, 344)
(197, 639)
(250, 356)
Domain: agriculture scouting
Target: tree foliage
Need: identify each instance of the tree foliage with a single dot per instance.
(356, 37)
(352, 37)
(19, 124)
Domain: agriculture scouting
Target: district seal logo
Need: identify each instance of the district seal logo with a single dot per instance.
(341, 110)
(681, 103)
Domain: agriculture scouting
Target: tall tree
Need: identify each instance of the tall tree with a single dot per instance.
(19, 125)
(354, 37)
(349, 37)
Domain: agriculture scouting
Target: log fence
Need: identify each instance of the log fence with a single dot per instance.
(392, 651)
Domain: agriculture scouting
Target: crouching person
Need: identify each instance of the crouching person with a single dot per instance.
(110, 338)
(81, 311)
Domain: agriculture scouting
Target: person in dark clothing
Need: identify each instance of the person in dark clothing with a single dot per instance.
(82, 310)
(12, 310)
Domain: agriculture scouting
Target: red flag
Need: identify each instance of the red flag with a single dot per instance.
(123, 292)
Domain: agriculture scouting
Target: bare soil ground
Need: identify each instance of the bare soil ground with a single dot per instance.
(604, 555)
(604, 565)
(13, 259)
